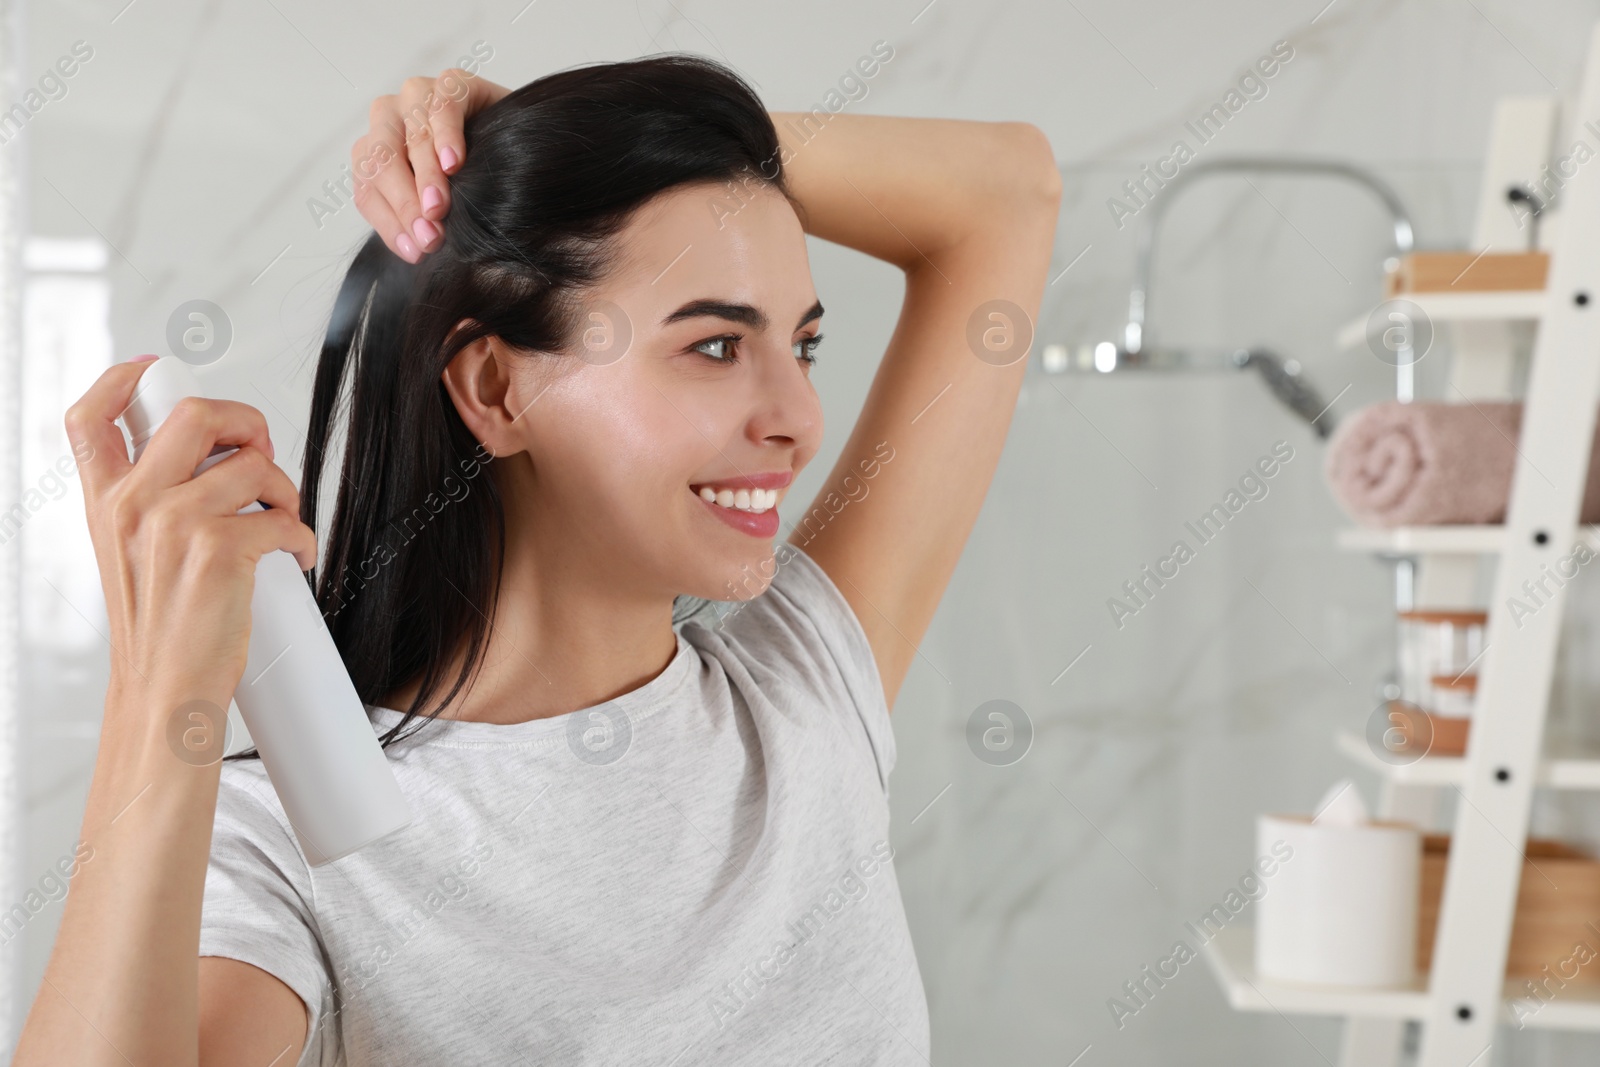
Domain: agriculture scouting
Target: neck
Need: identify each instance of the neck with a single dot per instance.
(566, 633)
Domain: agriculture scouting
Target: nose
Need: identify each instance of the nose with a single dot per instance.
(785, 410)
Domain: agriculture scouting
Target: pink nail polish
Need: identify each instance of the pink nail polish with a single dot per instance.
(424, 230)
(407, 249)
(447, 158)
(144, 358)
(431, 198)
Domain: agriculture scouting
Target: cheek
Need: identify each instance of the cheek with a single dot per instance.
(628, 439)
(680, 419)
(699, 421)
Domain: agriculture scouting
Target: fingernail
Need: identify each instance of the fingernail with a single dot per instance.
(272, 453)
(447, 157)
(144, 358)
(407, 249)
(424, 230)
(431, 198)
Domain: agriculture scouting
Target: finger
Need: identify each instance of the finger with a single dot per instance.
(240, 480)
(397, 182)
(383, 177)
(97, 441)
(441, 111)
(196, 426)
(458, 95)
(438, 148)
(449, 138)
(272, 530)
(376, 210)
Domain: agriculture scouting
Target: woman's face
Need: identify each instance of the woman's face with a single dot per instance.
(690, 379)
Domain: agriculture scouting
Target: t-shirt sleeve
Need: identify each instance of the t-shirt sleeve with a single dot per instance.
(259, 904)
(805, 619)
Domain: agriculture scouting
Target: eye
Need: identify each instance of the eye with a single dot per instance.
(722, 355)
(806, 348)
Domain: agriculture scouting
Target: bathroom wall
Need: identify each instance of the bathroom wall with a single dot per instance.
(196, 138)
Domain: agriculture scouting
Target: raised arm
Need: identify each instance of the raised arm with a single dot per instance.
(968, 211)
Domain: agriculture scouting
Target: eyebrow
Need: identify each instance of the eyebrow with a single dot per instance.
(743, 314)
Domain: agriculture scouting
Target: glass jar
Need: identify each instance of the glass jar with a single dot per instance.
(1453, 695)
(1437, 644)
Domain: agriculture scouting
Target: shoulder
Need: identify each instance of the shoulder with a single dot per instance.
(247, 804)
(798, 623)
(254, 849)
(800, 634)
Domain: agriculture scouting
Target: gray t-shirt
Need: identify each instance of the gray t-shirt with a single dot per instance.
(695, 872)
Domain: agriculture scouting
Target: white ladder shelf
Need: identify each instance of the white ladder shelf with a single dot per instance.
(1466, 994)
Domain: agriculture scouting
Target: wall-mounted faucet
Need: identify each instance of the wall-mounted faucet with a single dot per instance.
(1283, 377)
(1133, 334)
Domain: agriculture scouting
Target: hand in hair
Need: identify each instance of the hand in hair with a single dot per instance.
(403, 161)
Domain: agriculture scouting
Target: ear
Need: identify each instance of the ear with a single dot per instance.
(485, 389)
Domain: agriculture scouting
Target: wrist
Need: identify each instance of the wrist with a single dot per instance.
(152, 725)
(169, 688)
(145, 782)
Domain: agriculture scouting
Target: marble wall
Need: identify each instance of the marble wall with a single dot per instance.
(198, 136)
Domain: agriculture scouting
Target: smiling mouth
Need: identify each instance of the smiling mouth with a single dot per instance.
(755, 501)
(756, 494)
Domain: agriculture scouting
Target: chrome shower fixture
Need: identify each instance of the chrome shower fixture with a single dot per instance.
(1133, 334)
(1282, 377)
(1133, 350)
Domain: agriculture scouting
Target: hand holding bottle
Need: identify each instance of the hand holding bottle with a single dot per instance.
(178, 564)
(177, 561)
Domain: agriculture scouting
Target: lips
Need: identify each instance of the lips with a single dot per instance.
(747, 502)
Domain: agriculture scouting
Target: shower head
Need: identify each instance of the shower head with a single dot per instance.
(1285, 381)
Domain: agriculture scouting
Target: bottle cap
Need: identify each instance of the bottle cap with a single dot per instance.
(163, 383)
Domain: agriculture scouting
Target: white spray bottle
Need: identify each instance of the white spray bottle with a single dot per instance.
(303, 713)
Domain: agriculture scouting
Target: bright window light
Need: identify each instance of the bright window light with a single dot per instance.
(66, 344)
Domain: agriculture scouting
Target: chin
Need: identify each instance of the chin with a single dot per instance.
(744, 575)
(733, 551)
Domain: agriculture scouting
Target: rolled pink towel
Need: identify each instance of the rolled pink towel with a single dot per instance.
(1428, 463)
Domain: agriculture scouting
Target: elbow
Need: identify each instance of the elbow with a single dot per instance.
(1036, 179)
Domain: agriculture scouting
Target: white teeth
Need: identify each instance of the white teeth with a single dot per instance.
(752, 500)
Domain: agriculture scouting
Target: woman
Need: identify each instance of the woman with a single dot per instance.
(576, 398)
